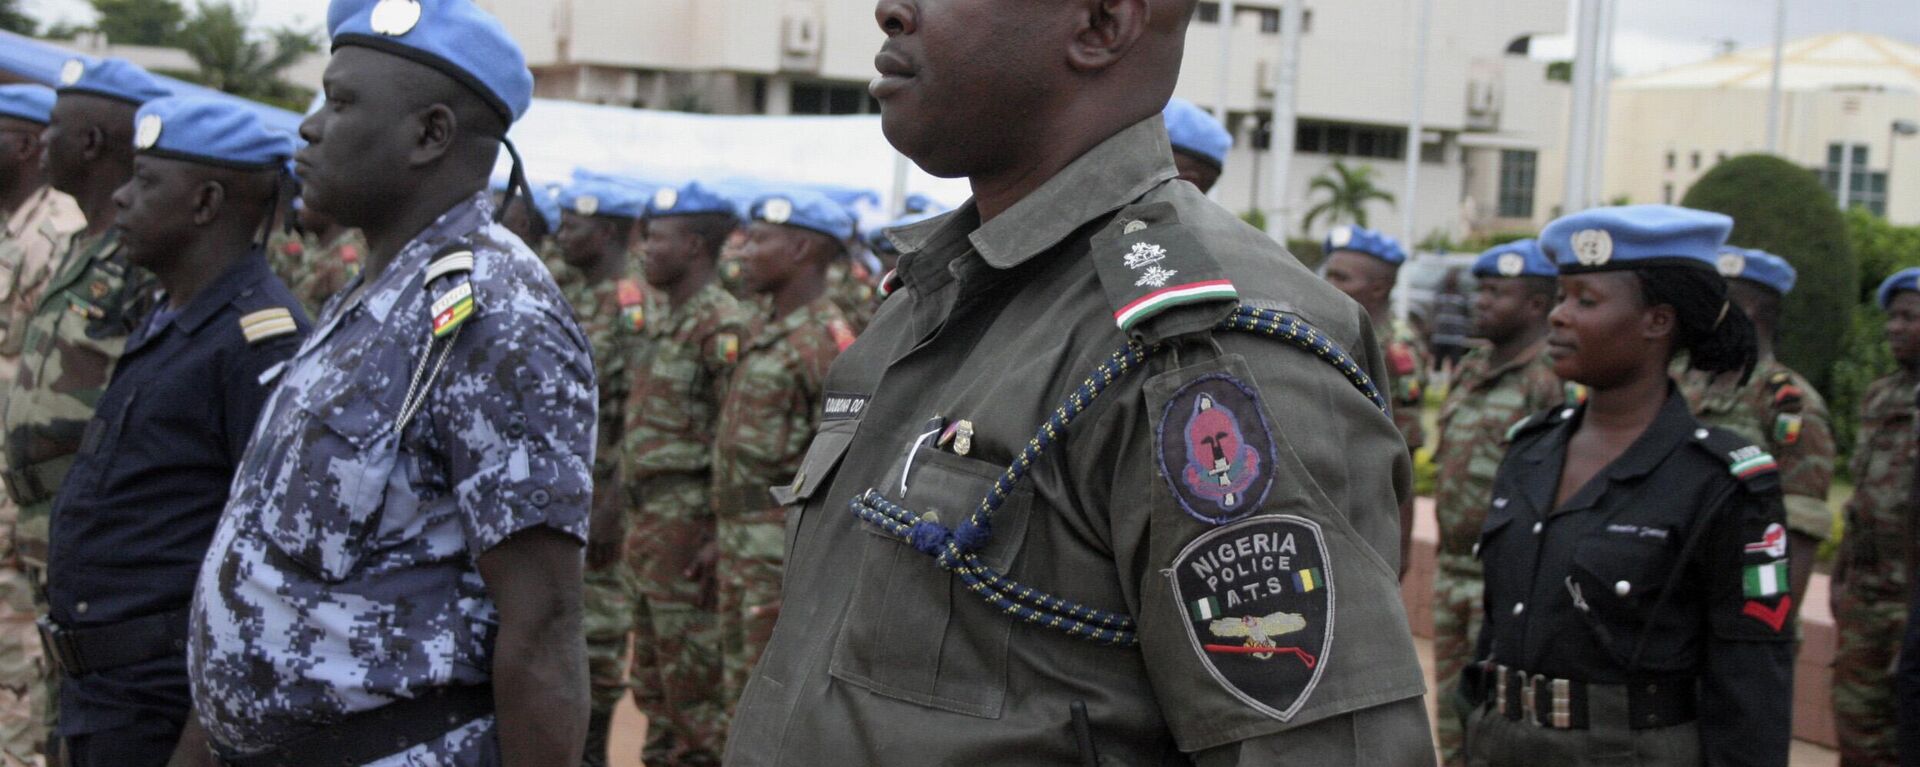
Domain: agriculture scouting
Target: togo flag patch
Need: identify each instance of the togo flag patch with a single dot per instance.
(452, 309)
(1258, 601)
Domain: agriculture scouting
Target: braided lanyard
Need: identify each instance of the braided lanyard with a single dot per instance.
(956, 549)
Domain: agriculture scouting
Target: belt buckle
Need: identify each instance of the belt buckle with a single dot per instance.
(1529, 702)
(1500, 688)
(53, 641)
(1562, 704)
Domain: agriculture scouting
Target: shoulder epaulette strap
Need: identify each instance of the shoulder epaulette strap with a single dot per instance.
(452, 259)
(449, 287)
(1783, 392)
(1538, 421)
(1746, 461)
(1148, 263)
(268, 324)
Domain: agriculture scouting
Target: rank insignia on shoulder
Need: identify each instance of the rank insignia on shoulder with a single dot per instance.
(268, 324)
(1775, 617)
(1750, 461)
(726, 348)
(1148, 268)
(1259, 606)
(1215, 448)
(842, 335)
(632, 300)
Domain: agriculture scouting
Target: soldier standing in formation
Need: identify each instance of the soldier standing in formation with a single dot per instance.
(396, 578)
(35, 222)
(1200, 143)
(679, 375)
(1874, 567)
(1636, 563)
(133, 518)
(1776, 408)
(1227, 496)
(319, 260)
(1496, 387)
(596, 226)
(773, 405)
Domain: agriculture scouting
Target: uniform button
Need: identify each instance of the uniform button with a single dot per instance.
(1700, 433)
(1623, 588)
(80, 608)
(1538, 526)
(540, 498)
(1567, 413)
(516, 426)
(1499, 503)
(1519, 607)
(1476, 549)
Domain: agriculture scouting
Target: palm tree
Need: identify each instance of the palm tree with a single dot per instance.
(229, 59)
(1348, 190)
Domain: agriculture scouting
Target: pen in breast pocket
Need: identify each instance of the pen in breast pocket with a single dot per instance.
(928, 431)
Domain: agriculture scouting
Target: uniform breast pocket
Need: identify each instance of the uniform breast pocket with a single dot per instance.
(914, 632)
(670, 394)
(816, 470)
(1619, 573)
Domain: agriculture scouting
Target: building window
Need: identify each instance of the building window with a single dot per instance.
(1671, 159)
(1207, 13)
(1866, 188)
(1517, 172)
(1270, 21)
(1696, 160)
(1350, 140)
(828, 99)
(1666, 193)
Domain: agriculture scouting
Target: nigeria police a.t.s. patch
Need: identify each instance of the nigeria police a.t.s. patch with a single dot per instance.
(1257, 599)
(1215, 448)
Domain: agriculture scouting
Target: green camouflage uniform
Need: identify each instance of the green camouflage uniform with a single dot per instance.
(1484, 404)
(1870, 605)
(852, 290)
(773, 405)
(313, 270)
(550, 254)
(1406, 382)
(1781, 412)
(611, 315)
(679, 377)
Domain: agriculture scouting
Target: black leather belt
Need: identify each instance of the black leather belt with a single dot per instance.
(87, 650)
(367, 736)
(1561, 704)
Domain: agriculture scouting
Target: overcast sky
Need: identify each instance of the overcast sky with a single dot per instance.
(1652, 34)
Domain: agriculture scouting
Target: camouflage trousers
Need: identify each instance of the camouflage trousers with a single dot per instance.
(1869, 619)
(1457, 588)
(752, 556)
(676, 654)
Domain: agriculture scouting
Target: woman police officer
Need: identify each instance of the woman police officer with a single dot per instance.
(1637, 607)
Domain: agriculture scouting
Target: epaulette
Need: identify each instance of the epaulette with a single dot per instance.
(449, 287)
(1150, 263)
(1539, 421)
(890, 283)
(632, 299)
(1786, 396)
(268, 324)
(1747, 462)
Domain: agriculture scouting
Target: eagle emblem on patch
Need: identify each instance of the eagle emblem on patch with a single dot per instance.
(1257, 596)
(1216, 450)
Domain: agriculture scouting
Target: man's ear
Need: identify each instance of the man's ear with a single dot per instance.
(1106, 31)
(434, 129)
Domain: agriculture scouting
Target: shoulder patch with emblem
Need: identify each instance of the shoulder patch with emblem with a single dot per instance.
(1746, 461)
(1216, 449)
(726, 348)
(451, 290)
(268, 324)
(632, 300)
(1147, 268)
(1258, 601)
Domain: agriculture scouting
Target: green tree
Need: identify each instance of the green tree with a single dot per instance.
(232, 60)
(139, 22)
(1347, 189)
(1783, 209)
(13, 19)
(1882, 249)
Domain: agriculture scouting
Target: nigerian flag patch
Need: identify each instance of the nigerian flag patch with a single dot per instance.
(1768, 580)
(1205, 609)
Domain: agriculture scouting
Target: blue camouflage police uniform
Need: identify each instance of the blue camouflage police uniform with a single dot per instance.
(436, 411)
(133, 519)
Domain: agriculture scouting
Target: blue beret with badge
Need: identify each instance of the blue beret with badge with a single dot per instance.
(453, 37)
(1758, 267)
(1520, 258)
(209, 131)
(24, 101)
(804, 210)
(600, 198)
(546, 201)
(1634, 237)
(692, 199)
(1196, 132)
(1905, 279)
(116, 79)
(1360, 239)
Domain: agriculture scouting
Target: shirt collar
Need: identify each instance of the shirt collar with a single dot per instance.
(23, 216)
(403, 274)
(1673, 426)
(1103, 180)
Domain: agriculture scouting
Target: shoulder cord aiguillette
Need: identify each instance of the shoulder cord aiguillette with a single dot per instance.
(956, 549)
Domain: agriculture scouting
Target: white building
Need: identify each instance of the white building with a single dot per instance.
(1843, 95)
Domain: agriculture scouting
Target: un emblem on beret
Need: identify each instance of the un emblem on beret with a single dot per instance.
(71, 71)
(586, 205)
(666, 198)
(148, 133)
(1512, 264)
(1732, 264)
(1341, 236)
(394, 17)
(1593, 247)
(778, 210)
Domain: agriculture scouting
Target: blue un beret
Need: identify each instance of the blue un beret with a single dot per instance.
(805, 210)
(32, 103)
(211, 132)
(1360, 239)
(1905, 279)
(599, 198)
(1635, 236)
(546, 201)
(693, 199)
(116, 79)
(452, 36)
(1758, 266)
(1195, 132)
(1520, 258)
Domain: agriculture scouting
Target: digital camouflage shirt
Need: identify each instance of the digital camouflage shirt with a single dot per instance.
(1781, 412)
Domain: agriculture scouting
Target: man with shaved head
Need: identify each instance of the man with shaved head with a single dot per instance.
(1110, 479)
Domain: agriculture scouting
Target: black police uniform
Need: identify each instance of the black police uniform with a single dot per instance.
(1648, 618)
(137, 512)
